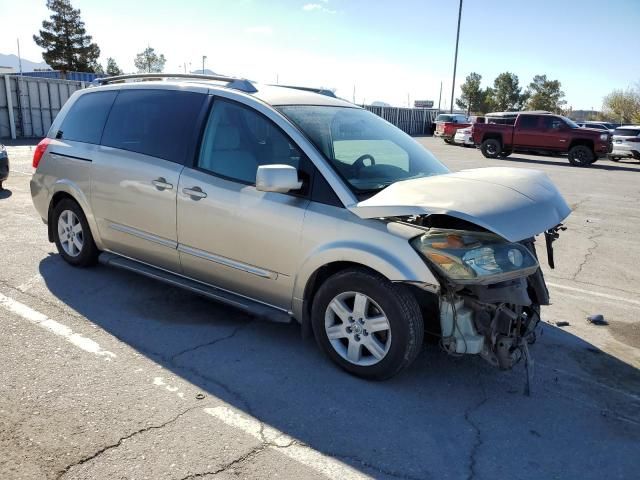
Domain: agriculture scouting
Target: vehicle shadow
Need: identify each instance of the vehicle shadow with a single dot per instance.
(5, 193)
(565, 163)
(444, 417)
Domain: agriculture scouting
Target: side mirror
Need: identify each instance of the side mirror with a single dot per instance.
(277, 178)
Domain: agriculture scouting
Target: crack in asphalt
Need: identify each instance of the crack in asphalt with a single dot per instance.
(478, 433)
(96, 454)
(210, 343)
(241, 459)
(587, 256)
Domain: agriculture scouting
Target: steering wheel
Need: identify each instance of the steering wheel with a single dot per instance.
(359, 163)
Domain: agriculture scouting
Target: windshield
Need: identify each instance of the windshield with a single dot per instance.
(570, 122)
(368, 152)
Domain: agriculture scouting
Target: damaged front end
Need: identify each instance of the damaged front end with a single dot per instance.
(491, 294)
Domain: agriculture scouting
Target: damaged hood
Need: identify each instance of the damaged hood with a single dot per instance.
(512, 202)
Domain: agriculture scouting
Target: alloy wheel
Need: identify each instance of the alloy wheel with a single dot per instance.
(70, 233)
(357, 328)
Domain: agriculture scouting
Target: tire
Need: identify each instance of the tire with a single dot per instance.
(580, 156)
(614, 159)
(72, 234)
(491, 148)
(397, 342)
(505, 153)
(447, 141)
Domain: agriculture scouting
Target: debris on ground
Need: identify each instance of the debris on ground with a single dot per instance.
(562, 324)
(597, 319)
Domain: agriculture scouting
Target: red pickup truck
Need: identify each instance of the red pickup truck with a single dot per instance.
(448, 124)
(541, 132)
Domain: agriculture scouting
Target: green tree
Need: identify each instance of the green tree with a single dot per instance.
(149, 61)
(472, 97)
(65, 41)
(507, 94)
(623, 105)
(545, 94)
(112, 67)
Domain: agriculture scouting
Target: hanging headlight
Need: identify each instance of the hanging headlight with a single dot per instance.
(475, 257)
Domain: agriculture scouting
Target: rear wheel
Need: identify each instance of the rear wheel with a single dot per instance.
(369, 326)
(72, 235)
(491, 148)
(581, 156)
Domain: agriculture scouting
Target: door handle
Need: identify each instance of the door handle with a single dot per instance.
(195, 193)
(162, 184)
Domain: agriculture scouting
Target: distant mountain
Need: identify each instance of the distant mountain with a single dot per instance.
(27, 65)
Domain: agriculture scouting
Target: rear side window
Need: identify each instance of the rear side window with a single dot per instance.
(627, 132)
(159, 123)
(528, 122)
(86, 117)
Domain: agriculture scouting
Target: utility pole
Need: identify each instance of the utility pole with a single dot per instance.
(440, 96)
(455, 61)
(19, 57)
(354, 94)
(204, 57)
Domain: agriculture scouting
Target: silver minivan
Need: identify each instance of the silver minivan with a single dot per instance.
(297, 205)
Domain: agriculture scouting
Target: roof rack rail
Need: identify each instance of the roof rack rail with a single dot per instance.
(232, 82)
(321, 91)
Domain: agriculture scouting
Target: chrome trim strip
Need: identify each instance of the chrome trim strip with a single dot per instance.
(288, 312)
(227, 262)
(144, 235)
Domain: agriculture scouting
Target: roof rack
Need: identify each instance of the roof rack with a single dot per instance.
(321, 91)
(232, 82)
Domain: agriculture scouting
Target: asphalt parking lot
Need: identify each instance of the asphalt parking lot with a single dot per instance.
(108, 375)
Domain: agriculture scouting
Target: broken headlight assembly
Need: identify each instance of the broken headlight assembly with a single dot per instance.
(466, 257)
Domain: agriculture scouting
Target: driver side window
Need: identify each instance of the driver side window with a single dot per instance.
(237, 140)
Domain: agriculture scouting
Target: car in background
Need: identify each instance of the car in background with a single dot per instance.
(541, 132)
(448, 124)
(4, 165)
(626, 143)
(463, 137)
(610, 127)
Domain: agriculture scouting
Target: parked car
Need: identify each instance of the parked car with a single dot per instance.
(463, 137)
(294, 205)
(4, 165)
(626, 143)
(542, 132)
(448, 124)
(609, 127)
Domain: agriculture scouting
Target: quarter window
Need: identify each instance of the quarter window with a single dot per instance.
(159, 123)
(237, 140)
(528, 122)
(85, 120)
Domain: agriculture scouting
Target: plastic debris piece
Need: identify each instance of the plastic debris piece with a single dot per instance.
(562, 324)
(597, 319)
(200, 396)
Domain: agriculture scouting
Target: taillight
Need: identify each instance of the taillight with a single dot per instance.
(39, 151)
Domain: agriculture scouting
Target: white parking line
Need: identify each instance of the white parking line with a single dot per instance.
(323, 464)
(594, 294)
(40, 319)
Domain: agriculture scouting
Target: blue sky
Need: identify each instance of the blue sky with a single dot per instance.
(388, 49)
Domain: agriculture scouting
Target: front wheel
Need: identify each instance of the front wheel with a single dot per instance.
(491, 148)
(447, 141)
(72, 234)
(369, 326)
(614, 159)
(581, 156)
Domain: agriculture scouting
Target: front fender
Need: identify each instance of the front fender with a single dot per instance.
(401, 264)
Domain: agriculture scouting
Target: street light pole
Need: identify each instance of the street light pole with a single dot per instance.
(204, 57)
(455, 61)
